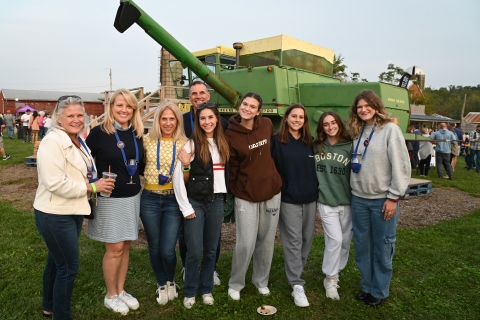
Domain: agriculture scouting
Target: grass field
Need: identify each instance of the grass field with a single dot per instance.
(436, 273)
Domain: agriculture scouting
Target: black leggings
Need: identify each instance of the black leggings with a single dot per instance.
(424, 166)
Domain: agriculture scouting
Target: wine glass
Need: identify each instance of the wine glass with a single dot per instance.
(131, 169)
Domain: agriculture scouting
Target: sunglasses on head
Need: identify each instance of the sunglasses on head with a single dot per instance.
(209, 105)
(70, 96)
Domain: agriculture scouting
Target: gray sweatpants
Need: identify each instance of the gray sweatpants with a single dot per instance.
(297, 227)
(256, 225)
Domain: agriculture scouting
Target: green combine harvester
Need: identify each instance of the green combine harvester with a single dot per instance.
(281, 69)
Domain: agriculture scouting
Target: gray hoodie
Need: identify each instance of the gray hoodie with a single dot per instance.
(386, 167)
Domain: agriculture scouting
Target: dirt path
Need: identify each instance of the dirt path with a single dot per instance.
(18, 185)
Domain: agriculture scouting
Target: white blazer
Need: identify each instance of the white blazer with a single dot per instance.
(62, 175)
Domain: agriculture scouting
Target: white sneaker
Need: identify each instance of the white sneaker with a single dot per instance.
(116, 305)
(234, 294)
(331, 288)
(129, 300)
(188, 302)
(162, 295)
(172, 290)
(207, 299)
(299, 296)
(216, 279)
(264, 291)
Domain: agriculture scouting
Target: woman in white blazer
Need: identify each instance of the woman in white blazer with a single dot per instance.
(66, 179)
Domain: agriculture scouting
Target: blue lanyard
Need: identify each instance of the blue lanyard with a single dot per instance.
(191, 118)
(173, 156)
(123, 152)
(360, 138)
(89, 155)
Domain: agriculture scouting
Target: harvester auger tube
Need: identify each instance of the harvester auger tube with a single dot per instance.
(129, 13)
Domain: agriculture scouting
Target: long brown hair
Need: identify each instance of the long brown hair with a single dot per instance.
(304, 132)
(381, 116)
(200, 138)
(321, 135)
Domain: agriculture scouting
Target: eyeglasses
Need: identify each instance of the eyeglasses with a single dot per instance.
(209, 105)
(66, 97)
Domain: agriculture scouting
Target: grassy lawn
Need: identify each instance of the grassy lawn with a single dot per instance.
(17, 149)
(436, 273)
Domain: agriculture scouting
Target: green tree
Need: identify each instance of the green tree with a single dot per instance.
(392, 75)
(339, 68)
(340, 71)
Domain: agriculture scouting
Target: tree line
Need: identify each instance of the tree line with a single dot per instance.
(444, 101)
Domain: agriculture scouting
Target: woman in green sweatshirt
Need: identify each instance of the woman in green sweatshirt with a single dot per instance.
(333, 147)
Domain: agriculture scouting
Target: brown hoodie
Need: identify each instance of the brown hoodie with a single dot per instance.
(253, 176)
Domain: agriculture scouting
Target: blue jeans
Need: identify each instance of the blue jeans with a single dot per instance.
(201, 235)
(161, 218)
(60, 233)
(374, 239)
(10, 132)
(182, 246)
(473, 159)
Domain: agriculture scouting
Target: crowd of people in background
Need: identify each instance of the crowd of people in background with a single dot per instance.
(192, 163)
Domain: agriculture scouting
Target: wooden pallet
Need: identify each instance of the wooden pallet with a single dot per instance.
(31, 161)
(418, 188)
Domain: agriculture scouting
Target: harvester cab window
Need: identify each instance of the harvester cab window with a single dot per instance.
(227, 63)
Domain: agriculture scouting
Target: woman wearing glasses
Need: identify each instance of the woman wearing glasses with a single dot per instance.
(64, 166)
(159, 210)
(333, 149)
(380, 176)
(256, 184)
(293, 156)
(200, 192)
(118, 148)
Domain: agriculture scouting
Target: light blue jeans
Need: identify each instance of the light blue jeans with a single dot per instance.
(161, 218)
(202, 236)
(374, 239)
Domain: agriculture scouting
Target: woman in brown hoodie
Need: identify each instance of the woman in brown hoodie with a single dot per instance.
(256, 184)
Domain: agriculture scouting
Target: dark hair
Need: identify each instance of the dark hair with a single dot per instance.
(35, 114)
(284, 128)
(196, 82)
(381, 116)
(255, 96)
(200, 138)
(321, 135)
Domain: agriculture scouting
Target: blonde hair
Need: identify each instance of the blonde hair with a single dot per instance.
(156, 131)
(381, 116)
(136, 120)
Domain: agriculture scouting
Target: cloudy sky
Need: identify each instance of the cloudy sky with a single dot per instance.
(69, 45)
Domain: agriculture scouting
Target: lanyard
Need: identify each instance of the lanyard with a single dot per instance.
(121, 145)
(89, 156)
(173, 156)
(191, 119)
(360, 138)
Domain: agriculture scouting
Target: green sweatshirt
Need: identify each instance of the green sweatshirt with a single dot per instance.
(333, 174)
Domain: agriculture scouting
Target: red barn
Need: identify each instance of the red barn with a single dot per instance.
(13, 99)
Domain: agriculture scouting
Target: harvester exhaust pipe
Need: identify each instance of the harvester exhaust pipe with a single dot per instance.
(237, 46)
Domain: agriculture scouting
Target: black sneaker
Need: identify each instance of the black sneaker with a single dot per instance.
(6, 157)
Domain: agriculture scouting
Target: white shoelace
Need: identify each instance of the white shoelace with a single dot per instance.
(300, 292)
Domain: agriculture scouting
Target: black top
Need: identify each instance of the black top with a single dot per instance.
(106, 153)
(190, 116)
(296, 165)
